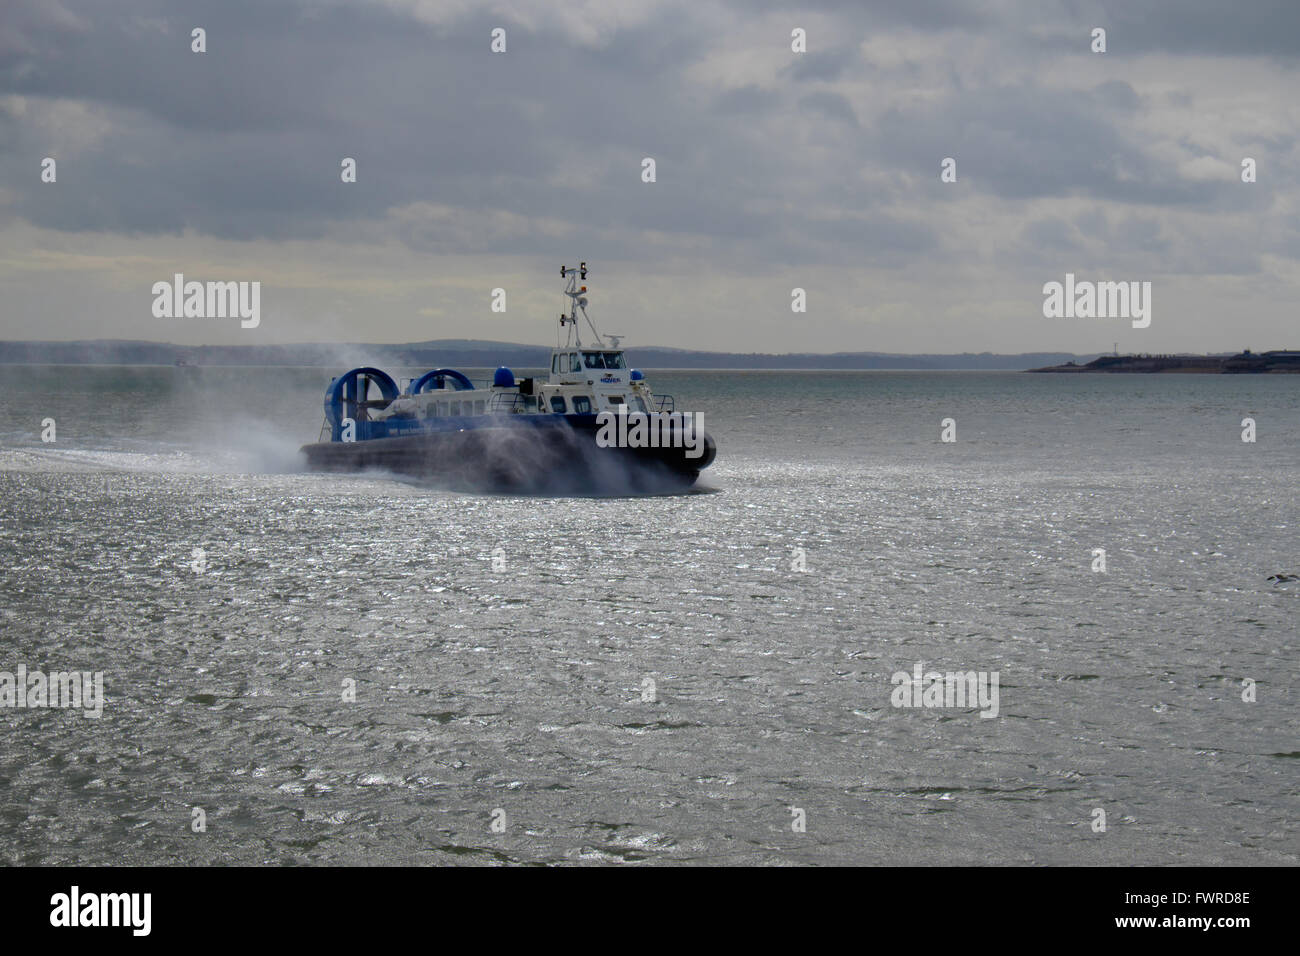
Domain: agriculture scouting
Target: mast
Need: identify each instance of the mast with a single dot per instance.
(578, 301)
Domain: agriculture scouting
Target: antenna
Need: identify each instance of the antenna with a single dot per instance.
(577, 300)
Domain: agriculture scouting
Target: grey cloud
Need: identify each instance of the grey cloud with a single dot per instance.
(1255, 28)
(1025, 142)
(822, 65)
(1050, 235)
(810, 162)
(829, 104)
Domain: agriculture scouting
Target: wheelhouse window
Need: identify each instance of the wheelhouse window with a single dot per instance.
(575, 364)
(455, 408)
(594, 359)
(581, 405)
(557, 404)
(614, 360)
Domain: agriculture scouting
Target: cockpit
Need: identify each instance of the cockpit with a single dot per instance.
(603, 359)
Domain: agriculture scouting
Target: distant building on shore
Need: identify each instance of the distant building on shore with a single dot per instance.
(1282, 360)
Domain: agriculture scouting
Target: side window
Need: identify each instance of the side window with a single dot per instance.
(455, 408)
(581, 405)
(555, 361)
(575, 364)
(557, 404)
(478, 407)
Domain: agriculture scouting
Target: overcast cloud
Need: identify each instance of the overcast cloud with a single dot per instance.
(774, 169)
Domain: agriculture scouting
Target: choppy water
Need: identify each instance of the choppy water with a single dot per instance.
(520, 687)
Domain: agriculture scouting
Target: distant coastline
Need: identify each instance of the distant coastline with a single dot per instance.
(1246, 362)
(470, 353)
(480, 354)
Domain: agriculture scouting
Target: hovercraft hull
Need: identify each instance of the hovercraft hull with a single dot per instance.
(523, 455)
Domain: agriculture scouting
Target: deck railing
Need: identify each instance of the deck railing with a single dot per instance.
(506, 402)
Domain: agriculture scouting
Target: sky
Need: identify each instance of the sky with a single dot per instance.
(774, 170)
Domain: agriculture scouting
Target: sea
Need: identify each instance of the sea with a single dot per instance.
(307, 669)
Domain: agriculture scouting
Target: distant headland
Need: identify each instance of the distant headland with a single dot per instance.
(1242, 362)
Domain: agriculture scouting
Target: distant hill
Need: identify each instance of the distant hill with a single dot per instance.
(1253, 362)
(479, 354)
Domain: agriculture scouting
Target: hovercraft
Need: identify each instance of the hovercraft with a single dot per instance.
(592, 426)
